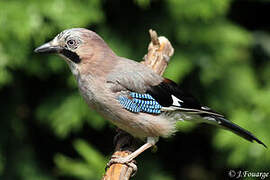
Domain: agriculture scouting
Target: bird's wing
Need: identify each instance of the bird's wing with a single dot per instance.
(142, 90)
(130, 81)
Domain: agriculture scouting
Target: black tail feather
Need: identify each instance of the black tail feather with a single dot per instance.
(238, 130)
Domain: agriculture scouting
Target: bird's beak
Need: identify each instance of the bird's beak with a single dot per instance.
(49, 48)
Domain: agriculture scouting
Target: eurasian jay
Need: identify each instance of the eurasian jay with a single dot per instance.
(129, 94)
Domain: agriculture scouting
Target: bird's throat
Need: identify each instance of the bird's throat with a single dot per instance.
(74, 68)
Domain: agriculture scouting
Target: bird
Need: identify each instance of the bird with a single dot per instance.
(129, 94)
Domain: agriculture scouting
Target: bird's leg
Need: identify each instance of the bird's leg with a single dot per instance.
(151, 141)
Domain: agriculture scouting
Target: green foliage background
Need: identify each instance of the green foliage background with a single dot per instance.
(47, 132)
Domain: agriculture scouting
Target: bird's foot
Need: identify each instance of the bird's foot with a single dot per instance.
(123, 160)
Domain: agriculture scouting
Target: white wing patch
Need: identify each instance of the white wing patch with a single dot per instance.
(176, 101)
(205, 108)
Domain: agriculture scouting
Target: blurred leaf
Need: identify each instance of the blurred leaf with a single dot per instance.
(67, 115)
(75, 168)
(143, 3)
(178, 68)
(196, 9)
(90, 154)
(91, 168)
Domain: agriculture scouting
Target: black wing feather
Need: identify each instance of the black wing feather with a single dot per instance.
(163, 94)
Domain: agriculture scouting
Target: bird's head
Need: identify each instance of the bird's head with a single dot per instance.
(77, 46)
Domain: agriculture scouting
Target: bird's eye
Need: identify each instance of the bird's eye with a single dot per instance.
(71, 42)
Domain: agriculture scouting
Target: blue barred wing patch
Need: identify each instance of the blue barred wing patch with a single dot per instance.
(128, 104)
(140, 103)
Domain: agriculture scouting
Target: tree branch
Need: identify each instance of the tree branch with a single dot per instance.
(159, 52)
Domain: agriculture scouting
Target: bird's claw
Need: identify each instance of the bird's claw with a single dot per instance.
(123, 160)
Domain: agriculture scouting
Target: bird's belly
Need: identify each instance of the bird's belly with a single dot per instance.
(139, 125)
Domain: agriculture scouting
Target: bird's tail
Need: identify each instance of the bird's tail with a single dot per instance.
(224, 123)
